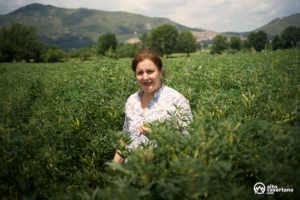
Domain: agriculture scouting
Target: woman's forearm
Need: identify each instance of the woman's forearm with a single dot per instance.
(117, 157)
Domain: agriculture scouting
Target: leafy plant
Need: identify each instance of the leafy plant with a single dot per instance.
(60, 124)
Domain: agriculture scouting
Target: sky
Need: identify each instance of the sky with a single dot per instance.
(216, 15)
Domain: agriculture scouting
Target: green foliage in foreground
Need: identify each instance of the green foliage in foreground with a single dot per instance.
(61, 123)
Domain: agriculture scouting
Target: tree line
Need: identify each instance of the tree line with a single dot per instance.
(257, 41)
(164, 40)
(22, 43)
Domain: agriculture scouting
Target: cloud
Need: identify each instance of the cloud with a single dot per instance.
(217, 15)
(262, 7)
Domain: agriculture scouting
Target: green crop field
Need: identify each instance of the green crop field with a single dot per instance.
(61, 123)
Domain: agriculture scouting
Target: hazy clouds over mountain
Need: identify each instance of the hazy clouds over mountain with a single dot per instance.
(217, 15)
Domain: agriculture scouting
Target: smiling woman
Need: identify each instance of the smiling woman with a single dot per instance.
(153, 100)
(148, 77)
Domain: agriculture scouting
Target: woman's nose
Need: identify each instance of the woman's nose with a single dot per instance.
(145, 76)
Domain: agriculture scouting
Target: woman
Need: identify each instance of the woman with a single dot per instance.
(152, 102)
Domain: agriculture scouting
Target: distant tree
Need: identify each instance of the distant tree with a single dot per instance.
(54, 55)
(107, 41)
(199, 46)
(143, 39)
(291, 36)
(83, 53)
(19, 43)
(277, 43)
(127, 50)
(44, 49)
(268, 45)
(245, 44)
(257, 40)
(90, 46)
(220, 44)
(207, 42)
(186, 42)
(163, 39)
(235, 42)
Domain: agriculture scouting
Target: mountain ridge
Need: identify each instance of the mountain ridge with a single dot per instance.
(75, 28)
(78, 27)
(277, 25)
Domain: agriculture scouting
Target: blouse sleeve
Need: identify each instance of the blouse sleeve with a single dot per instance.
(126, 123)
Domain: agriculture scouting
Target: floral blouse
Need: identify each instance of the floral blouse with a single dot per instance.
(163, 100)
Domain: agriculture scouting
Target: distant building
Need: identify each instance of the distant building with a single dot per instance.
(205, 35)
(132, 41)
(243, 38)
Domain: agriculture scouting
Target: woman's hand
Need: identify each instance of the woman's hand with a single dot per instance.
(143, 130)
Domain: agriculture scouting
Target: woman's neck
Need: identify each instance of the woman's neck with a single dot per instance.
(148, 96)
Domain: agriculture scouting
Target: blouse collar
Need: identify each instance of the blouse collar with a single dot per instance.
(156, 93)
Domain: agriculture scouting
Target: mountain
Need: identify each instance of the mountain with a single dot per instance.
(75, 28)
(276, 26)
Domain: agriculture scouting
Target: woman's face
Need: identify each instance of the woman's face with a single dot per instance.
(148, 76)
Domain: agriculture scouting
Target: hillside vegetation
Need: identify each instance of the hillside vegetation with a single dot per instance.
(60, 125)
(276, 26)
(75, 28)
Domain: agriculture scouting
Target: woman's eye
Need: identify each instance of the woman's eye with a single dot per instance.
(148, 72)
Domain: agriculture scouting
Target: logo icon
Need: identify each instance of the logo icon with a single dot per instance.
(259, 188)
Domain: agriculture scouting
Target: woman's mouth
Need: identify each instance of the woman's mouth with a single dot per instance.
(147, 84)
